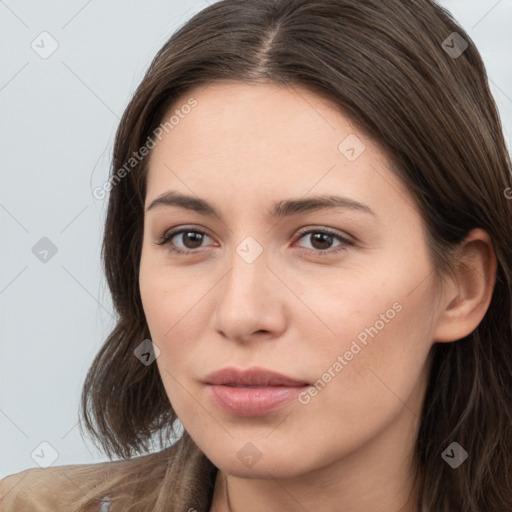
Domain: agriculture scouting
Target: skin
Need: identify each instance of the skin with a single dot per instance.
(291, 310)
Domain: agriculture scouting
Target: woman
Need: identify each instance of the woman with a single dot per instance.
(308, 246)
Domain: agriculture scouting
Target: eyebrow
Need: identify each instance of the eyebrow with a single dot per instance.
(280, 209)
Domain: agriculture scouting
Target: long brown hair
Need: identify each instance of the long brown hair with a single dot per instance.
(406, 81)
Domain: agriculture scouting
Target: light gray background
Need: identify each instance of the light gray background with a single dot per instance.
(58, 120)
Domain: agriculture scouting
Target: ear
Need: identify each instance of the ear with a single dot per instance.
(466, 300)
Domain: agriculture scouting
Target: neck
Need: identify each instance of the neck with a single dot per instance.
(377, 477)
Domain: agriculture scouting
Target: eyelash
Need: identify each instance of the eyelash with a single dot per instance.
(167, 237)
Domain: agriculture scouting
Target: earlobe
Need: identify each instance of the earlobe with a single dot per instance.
(467, 299)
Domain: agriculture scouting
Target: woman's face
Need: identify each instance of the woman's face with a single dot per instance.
(341, 297)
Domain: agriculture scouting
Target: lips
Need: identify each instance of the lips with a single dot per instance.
(251, 392)
(252, 377)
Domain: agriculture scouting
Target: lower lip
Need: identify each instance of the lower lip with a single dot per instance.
(252, 401)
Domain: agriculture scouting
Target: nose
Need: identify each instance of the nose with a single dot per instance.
(250, 301)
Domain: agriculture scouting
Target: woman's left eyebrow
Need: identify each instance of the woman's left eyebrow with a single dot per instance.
(284, 208)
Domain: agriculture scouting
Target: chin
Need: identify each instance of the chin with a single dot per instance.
(264, 463)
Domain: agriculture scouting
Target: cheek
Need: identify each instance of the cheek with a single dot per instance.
(377, 359)
(171, 312)
(377, 329)
(174, 314)
(167, 295)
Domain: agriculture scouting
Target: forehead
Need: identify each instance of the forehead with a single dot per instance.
(266, 140)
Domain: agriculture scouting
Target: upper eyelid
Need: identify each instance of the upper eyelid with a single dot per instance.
(301, 231)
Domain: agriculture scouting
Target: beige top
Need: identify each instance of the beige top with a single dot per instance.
(181, 472)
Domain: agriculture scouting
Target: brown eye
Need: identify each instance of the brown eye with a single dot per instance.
(322, 241)
(191, 239)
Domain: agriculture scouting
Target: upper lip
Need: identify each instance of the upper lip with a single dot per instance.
(251, 377)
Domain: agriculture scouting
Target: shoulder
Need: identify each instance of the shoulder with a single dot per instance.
(179, 474)
(70, 487)
(53, 488)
